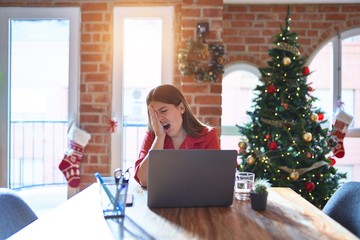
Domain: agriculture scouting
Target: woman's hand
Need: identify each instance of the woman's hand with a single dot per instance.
(155, 122)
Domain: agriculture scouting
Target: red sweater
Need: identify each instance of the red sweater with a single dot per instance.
(208, 141)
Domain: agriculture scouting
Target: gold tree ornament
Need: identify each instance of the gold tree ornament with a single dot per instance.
(242, 145)
(294, 175)
(314, 117)
(286, 61)
(307, 137)
(250, 160)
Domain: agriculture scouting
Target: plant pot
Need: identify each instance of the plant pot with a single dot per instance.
(258, 200)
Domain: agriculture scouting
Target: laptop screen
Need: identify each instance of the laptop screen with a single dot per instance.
(191, 178)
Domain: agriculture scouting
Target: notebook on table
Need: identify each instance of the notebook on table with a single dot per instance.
(191, 178)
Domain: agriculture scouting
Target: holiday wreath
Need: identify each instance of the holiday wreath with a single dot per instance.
(204, 61)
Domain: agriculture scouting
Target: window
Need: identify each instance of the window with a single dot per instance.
(238, 92)
(39, 92)
(143, 59)
(335, 77)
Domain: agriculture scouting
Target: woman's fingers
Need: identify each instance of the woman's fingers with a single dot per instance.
(155, 122)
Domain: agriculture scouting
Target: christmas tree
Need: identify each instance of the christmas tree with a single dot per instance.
(285, 140)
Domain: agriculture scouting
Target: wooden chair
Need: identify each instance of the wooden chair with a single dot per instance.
(15, 214)
(344, 206)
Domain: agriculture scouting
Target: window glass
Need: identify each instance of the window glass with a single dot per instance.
(350, 77)
(39, 100)
(238, 93)
(143, 59)
(321, 79)
(142, 47)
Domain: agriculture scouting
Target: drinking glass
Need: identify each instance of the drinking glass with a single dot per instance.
(244, 182)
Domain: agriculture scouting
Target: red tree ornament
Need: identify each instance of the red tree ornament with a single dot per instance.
(306, 70)
(285, 105)
(242, 150)
(309, 186)
(320, 116)
(271, 89)
(272, 145)
(333, 162)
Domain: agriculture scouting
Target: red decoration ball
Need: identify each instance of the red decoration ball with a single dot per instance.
(267, 136)
(320, 116)
(306, 71)
(309, 186)
(271, 89)
(310, 89)
(272, 145)
(333, 161)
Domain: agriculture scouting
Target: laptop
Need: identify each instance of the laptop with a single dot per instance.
(191, 178)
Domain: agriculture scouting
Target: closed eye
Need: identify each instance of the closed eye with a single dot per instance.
(162, 110)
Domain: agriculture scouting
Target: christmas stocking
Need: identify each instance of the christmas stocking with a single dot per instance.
(70, 164)
(342, 122)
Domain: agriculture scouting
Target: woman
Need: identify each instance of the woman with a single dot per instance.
(171, 125)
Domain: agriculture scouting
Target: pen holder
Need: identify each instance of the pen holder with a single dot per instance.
(113, 197)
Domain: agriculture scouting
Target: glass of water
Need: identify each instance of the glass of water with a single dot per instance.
(244, 182)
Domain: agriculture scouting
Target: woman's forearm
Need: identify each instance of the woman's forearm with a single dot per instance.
(143, 168)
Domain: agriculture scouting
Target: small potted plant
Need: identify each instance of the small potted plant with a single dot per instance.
(259, 194)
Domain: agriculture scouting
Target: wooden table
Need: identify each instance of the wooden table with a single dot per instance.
(288, 216)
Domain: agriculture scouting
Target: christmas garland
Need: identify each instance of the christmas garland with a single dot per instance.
(204, 61)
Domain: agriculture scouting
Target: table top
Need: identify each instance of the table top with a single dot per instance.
(287, 216)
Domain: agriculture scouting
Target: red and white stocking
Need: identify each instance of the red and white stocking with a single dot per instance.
(342, 122)
(70, 164)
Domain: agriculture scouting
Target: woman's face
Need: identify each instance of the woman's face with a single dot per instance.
(169, 116)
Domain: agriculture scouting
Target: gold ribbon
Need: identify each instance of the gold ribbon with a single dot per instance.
(287, 47)
(301, 171)
(276, 123)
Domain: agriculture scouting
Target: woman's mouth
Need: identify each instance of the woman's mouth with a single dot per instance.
(166, 126)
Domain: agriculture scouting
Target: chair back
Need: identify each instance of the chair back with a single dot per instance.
(15, 214)
(344, 206)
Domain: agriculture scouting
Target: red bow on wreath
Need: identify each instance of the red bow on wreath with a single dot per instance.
(112, 125)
